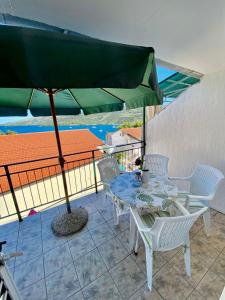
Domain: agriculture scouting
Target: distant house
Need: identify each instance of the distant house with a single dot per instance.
(124, 136)
(38, 152)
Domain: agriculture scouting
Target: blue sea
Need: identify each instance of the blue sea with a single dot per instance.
(99, 130)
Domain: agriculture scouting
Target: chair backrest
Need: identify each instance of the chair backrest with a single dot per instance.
(157, 164)
(108, 169)
(172, 232)
(204, 180)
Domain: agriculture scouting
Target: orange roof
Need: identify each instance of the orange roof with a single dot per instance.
(135, 133)
(33, 146)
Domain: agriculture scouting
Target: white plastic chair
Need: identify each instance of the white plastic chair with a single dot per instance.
(157, 164)
(203, 182)
(162, 234)
(109, 169)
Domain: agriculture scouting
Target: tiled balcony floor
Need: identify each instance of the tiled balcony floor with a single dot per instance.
(96, 264)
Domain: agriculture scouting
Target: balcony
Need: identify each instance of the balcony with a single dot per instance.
(96, 263)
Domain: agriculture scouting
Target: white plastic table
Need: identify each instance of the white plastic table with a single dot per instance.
(133, 192)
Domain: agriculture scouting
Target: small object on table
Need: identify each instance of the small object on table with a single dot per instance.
(145, 176)
(138, 175)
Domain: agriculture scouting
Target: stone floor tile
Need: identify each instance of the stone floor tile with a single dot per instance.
(89, 267)
(81, 244)
(63, 283)
(101, 201)
(195, 295)
(29, 232)
(35, 291)
(170, 284)
(128, 277)
(101, 234)
(168, 255)
(145, 294)
(219, 266)
(140, 259)
(9, 237)
(107, 211)
(77, 296)
(124, 238)
(57, 258)
(211, 286)
(50, 241)
(95, 220)
(48, 214)
(198, 268)
(216, 238)
(102, 288)
(200, 249)
(29, 273)
(8, 229)
(112, 252)
(30, 222)
(124, 223)
(30, 250)
(219, 218)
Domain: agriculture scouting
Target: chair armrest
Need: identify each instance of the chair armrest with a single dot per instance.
(182, 209)
(198, 197)
(141, 227)
(180, 178)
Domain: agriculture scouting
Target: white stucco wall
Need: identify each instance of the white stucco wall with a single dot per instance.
(191, 130)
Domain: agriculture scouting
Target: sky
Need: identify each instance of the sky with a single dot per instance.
(161, 72)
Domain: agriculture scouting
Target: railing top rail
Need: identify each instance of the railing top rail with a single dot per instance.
(66, 155)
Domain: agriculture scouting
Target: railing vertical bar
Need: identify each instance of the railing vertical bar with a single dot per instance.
(75, 180)
(50, 177)
(94, 169)
(89, 165)
(30, 188)
(13, 193)
(44, 182)
(39, 195)
(3, 196)
(80, 176)
(22, 190)
(68, 173)
(57, 180)
(85, 173)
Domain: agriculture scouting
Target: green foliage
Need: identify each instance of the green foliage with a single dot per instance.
(120, 157)
(128, 124)
(8, 132)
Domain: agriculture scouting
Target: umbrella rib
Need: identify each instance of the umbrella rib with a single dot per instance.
(144, 85)
(113, 95)
(30, 99)
(75, 99)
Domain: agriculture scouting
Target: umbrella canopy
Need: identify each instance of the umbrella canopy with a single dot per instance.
(53, 73)
(95, 76)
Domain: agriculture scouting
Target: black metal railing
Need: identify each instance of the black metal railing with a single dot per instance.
(38, 183)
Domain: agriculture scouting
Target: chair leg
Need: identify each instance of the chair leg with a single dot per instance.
(132, 233)
(207, 221)
(187, 258)
(149, 266)
(136, 243)
(116, 217)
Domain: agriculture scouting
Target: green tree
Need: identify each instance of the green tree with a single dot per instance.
(9, 132)
(128, 124)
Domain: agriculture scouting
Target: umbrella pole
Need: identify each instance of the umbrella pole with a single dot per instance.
(61, 159)
(144, 131)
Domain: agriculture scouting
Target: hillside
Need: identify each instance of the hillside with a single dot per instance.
(118, 117)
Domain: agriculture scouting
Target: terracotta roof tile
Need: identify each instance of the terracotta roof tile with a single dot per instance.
(34, 146)
(133, 132)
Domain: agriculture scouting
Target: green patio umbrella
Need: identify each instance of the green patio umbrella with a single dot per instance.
(52, 73)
